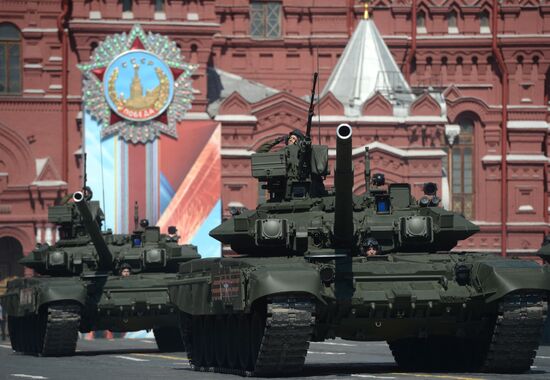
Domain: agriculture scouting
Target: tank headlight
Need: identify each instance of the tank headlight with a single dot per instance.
(462, 274)
(154, 256)
(271, 231)
(57, 258)
(327, 275)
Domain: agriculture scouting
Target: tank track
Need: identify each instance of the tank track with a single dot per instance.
(61, 331)
(509, 344)
(283, 344)
(516, 334)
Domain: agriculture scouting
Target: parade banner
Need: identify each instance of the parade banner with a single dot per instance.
(141, 151)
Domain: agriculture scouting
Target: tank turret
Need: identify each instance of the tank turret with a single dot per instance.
(93, 230)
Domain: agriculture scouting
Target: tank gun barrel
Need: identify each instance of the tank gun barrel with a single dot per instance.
(343, 185)
(105, 255)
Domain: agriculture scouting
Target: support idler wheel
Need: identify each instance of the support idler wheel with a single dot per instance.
(169, 339)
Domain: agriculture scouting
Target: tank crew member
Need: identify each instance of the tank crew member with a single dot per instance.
(293, 137)
(125, 270)
(370, 247)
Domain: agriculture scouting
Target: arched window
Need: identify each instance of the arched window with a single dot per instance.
(10, 59)
(452, 22)
(461, 159)
(421, 22)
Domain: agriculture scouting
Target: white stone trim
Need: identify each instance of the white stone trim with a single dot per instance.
(236, 152)
(34, 91)
(526, 208)
(32, 66)
(516, 158)
(40, 163)
(496, 224)
(196, 116)
(94, 15)
(452, 131)
(159, 16)
(55, 87)
(383, 119)
(143, 22)
(51, 183)
(528, 124)
(41, 30)
(247, 118)
(405, 153)
(193, 16)
(55, 58)
(128, 15)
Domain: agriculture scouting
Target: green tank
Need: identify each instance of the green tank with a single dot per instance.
(299, 275)
(77, 286)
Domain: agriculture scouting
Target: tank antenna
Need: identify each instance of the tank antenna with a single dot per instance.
(136, 215)
(318, 100)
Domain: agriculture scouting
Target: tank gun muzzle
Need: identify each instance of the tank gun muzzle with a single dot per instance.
(92, 228)
(343, 186)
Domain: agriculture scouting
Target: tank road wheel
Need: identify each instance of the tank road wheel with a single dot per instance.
(516, 334)
(209, 339)
(244, 345)
(169, 339)
(221, 338)
(61, 330)
(197, 341)
(233, 341)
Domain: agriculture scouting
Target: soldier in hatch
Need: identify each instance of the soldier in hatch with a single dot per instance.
(370, 247)
(293, 137)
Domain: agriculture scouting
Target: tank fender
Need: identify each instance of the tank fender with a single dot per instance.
(27, 296)
(501, 277)
(266, 281)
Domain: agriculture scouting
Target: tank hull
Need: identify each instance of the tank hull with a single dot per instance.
(94, 302)
(409, 300)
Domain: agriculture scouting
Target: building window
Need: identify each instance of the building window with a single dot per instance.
(159, 5)
(10, 60)
(461, 170)
(126, 5)
(484, 22)
(421, 22)
(452, 22)
(265, 19)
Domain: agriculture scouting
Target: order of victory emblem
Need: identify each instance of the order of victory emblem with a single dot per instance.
(137, 86)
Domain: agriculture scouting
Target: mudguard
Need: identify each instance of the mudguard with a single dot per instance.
(26, 295)
(266, 281)
(501, 277)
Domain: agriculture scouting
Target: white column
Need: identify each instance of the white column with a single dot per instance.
(49, 237)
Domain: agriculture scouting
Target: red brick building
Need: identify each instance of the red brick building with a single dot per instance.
(256, 60)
